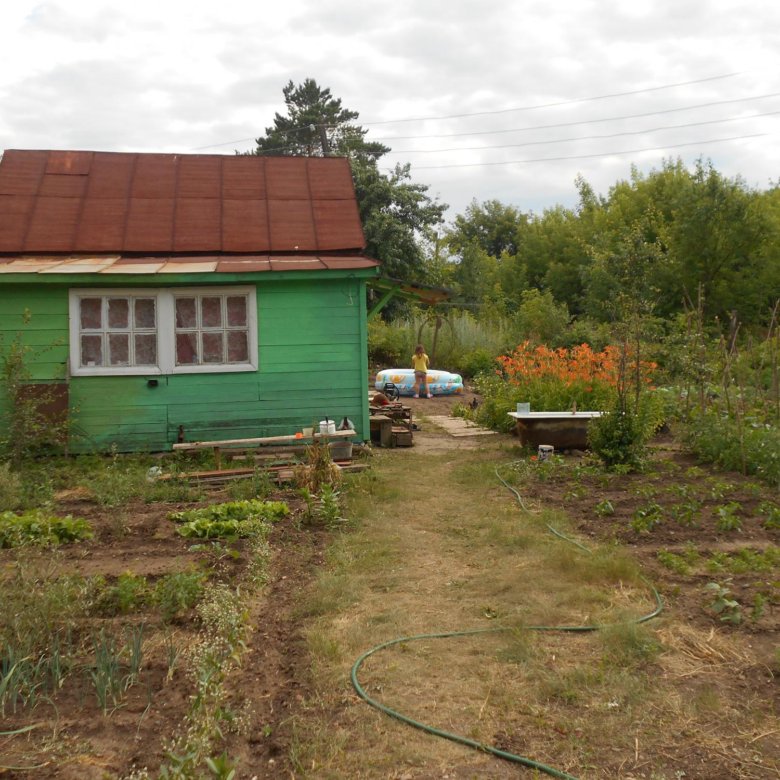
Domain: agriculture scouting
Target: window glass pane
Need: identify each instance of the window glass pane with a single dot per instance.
(144, 313)
(145, 349)
(91, 313)
(212, 348)
(118, 349)
(185, 313)
(238, 348)
(236, 311)
(91, 351)
(211, 312)
(186, 349)
(118, 313)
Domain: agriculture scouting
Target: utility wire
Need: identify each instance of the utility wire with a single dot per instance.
(584, 137)
(559, 103)
(487, 113)
(582, 121)
(588, 156)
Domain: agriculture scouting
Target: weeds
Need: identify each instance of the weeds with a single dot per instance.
(727, 518)
(647, 517)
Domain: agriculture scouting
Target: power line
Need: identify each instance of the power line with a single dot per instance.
(559, 103)
(585, 137)
(589, 156)
(486, 113)
(582, 121)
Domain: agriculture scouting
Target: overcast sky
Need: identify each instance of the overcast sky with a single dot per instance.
(535, 76)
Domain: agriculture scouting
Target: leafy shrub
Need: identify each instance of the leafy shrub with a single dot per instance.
(716, 437)
(477, 361)
(179, 592)
(388, 344)
(35, 526)
(230, 520)
(129, 593)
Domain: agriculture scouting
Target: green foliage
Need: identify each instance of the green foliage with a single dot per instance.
(618, 438)
(30, 422)
(389, 345)
(727, 518)
(230, 520)
(10, 488)
(37, 527)
(647, 517)
(604, 508)
(723, 605)
(673, 562)
(176, 593)
(715, 437)
(771, 514)
(128, 594)
(540, 319)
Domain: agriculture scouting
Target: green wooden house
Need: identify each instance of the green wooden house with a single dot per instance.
(171, 298)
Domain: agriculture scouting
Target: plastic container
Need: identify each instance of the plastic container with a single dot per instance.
(524, 408)
(545, 451)
(340, 450)
(327, 426)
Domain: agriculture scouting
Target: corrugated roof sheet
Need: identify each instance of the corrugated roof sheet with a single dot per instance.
(91, 202)
(181, 264)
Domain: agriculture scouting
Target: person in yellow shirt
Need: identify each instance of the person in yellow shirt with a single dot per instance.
(420, 366)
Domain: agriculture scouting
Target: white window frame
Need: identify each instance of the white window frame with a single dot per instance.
(166, 330)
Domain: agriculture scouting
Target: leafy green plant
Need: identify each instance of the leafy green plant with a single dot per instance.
(604, 508)
(673, 562)
(179, 592)
(686, 514)
(230, 520)
(723, 605)
(647, 517)
(37, 527)
(129, 593)
(727, 518)
(771, 513)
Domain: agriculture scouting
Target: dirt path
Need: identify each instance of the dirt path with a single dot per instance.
(440, 545)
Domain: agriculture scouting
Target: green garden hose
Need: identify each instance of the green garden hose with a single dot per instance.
(361, 692)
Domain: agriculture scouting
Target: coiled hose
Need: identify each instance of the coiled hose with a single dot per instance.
(523, 760)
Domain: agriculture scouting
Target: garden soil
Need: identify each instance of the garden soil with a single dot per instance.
(73, 740)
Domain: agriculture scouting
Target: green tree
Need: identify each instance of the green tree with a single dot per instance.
(316, 125)
(399, 217)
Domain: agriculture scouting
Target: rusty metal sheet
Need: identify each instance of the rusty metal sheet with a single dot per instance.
(154, 177)
(299, 263)
(21, 172)
(102, 225)
(197, 225)
(15, 213)
(287, 178)
(149, 225)
(348, 263)
(147, 267)
(247, 265)
(243, 178)
(292, 226)
(110, 175)
(69, 163)
(199, 176)
(52, 225)
(330, 179)
(162, 203)
(338, 225)
(79, 265)
(188, 268)
(31, 265)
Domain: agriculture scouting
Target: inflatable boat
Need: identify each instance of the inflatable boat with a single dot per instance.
(439, 382)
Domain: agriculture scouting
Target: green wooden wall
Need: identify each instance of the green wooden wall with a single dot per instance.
(312, 364)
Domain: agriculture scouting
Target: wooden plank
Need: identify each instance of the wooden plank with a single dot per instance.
(202, 445)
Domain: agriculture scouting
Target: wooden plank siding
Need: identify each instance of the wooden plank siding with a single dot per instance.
(312, 363)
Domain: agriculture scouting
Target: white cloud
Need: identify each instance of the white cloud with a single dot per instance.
(178, 76)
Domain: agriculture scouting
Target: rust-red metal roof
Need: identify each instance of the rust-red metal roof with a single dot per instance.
(74, 202)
